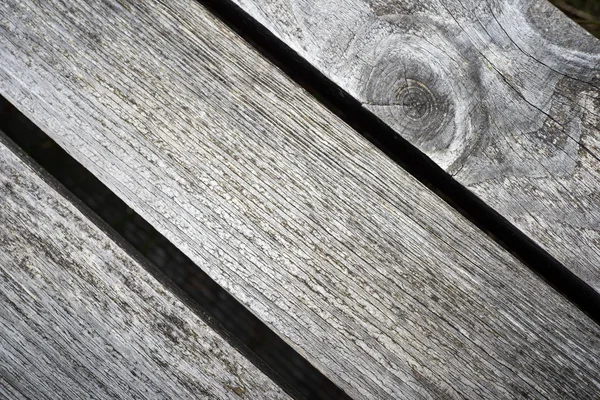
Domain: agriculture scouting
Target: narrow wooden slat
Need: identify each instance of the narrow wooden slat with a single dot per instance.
(502, 94)
(374, 279)
(80, 318)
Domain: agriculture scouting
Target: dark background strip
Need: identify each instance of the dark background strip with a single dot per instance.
(584, 12)
(409, 157)
(212, 303)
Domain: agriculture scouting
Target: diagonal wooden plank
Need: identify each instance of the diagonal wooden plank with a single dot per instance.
(374, 279)
(81, 318)
(502, 94)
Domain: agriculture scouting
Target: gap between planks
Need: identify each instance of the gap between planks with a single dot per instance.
(504, 95)
(348, 108)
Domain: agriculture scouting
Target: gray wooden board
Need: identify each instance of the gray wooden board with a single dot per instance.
(502, 94)
(364, 271)
(80, 318)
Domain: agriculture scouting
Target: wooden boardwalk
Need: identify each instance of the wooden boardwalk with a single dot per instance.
(375, 280)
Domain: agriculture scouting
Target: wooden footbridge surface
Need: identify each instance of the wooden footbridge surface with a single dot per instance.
(404, 195)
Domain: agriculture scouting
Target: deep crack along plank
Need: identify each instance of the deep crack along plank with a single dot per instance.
(502, 94)
(80, 318)
(374, 279)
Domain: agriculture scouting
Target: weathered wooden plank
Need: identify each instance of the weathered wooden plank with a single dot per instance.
(378, 282)
(502, 94)
(81, 318)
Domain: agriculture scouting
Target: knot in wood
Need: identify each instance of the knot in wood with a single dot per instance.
(416, 100)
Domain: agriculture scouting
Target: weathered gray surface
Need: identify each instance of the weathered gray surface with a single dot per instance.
(81, 319)
(369, 275)
(502, 94)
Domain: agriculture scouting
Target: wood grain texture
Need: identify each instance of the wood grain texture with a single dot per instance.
(374, 279)
(502, 94)
(80, 318)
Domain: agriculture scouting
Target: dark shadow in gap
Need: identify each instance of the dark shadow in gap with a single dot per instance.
(218, 308)
(408, 157)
